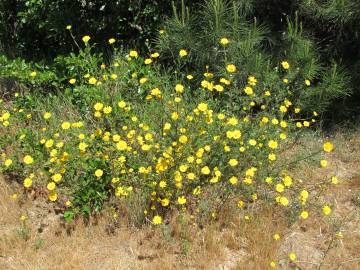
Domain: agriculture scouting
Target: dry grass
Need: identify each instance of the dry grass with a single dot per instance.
(229, 243)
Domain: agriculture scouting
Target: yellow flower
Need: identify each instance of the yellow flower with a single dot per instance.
(86, 39)
(273, 144)
(307, 82)
(72, 81)
(204, 84)
(283, 109)
(233, 162)
(82, 146)
(98, 173)
(240, 203)
(174, 116)
(53, 196)
(157, 220)
(326, 210)
(234, 134)
(202, 107)
(252, 142)
(121, 145)
(179, 88)
(225, 81)
(268, 180)
(189, 77)
(165, 202)
(156, 92)
(231, 68)
(219, 88)
(181, 200)
(267, 93)
(148, 61)
(205, 170)
(65, 125)
(146, 147)
(279, 188)
(276, 237)
(292, 256)
(249, 91)
(328, 147)
(285, 65)
(143, 80)
(155, 55)
(28, 160)
(49, 143)
(162, 184)
(272, 157)
(33, 74)
(339, 234)
(133, 54)
(287, 181)
(233, 180)
(304, 214)
(282, 136)
(27, 182)
(107, 110)
(334, 180)
(98, 106)
(183, 53)
(68, 27)
(191, 176)
(323, 163)
(23, 217)
(51, 186)
(47, 115)
(92, 81)
(183, 139)
(8, 162)
(56, 177)
(247, 181)
(111, 40)
(284, 201)
(68, 203)
(304, 194)
(122, 104)
(224, 41)
(252, 80)
(272, 264)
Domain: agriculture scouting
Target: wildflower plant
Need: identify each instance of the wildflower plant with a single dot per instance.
(134, 130)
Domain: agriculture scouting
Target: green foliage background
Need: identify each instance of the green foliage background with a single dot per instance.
(323, 35)
(36, 28)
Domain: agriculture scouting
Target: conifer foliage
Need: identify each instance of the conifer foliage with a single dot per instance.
(256, 45)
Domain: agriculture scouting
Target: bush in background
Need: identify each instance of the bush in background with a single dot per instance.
(35, 29)
(223, 32)
(320, 37)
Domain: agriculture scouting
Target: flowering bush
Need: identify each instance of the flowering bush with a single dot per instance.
(167, 138)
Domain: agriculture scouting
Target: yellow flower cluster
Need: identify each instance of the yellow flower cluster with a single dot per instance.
(169, 147)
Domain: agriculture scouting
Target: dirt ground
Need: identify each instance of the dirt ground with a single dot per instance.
(42, 242)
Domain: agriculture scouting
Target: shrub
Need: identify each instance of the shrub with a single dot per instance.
(36, 29)
(223, 32)
(162, 137)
